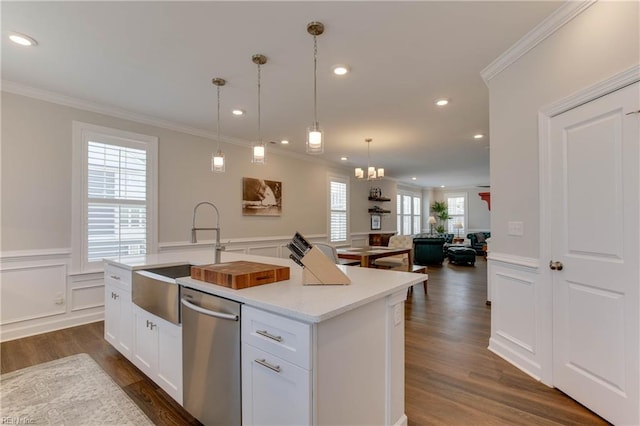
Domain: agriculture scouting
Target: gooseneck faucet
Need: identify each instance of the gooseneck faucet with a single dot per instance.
(218, 248)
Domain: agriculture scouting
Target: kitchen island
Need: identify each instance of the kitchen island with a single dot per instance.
(340, 349)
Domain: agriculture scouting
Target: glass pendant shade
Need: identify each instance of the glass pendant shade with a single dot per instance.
(259, 154)
(380, 172)
(217, 162)
(314, 140)
(359, 173)
(371, 172)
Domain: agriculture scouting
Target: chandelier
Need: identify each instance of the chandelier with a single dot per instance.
(372, 172)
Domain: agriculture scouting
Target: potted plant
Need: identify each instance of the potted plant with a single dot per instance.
(441, 211)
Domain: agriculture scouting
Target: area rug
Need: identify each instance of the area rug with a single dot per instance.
(68, 391)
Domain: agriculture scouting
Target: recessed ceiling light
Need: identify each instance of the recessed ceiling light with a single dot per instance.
(237, 112)
(414, 178)
(442, 102)
(478, 136)
(441, 186)
(22, 39)
(340, 69)
(344, 158)
(284, 142)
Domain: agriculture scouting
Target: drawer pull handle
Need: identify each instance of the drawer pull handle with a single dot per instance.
(115, 277)
(268, 335)
(264, 363)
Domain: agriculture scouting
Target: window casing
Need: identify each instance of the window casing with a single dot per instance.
(114, 195)
(338, 209)
(408, 209)
(457, 209)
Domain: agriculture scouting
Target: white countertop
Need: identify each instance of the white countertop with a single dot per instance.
(312, 304)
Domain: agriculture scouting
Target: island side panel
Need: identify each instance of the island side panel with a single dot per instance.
(353, 366)
(395, 359)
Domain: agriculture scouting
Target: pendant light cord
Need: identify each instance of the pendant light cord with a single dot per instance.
(259, 124)
(315, 79)
(218, 131)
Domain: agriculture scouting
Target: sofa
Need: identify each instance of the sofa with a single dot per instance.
(478, 240)
(428, 250)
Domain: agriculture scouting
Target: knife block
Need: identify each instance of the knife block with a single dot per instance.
(319, 270)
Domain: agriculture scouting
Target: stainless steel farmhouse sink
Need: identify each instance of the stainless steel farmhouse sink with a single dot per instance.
(155, 290)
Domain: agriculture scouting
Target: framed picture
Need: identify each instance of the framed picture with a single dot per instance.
(261, 197)
(376, 222)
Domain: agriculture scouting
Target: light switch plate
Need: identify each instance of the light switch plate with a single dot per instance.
(516, 229)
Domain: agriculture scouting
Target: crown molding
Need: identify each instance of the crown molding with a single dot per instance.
(85, 105)
(537, 35)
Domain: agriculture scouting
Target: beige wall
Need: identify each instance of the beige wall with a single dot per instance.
(36, 182)
(598, 43)
(478, 214)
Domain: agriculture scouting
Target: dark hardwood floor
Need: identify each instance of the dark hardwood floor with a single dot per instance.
(451, 377)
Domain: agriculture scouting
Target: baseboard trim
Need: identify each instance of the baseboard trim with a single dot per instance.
(402, 421)
(522, 363)
(8, 333)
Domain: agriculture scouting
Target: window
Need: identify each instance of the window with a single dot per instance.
(338, 209)
(408, 214)
(114, 195)
(456, 207)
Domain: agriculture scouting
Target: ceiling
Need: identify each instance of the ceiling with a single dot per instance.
(157, 59)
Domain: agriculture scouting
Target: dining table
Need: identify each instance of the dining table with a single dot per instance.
(366, 255)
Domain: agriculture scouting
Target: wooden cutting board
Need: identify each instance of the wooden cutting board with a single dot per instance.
(240, 274)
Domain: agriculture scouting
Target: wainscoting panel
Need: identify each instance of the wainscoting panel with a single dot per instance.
(38, 294)
(515, 313)
(31, 292)
(269, 251)
(87, 292)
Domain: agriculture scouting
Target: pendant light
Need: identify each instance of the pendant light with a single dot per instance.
(259, 150)
(372, 172)
(315, 135)
(217, 159)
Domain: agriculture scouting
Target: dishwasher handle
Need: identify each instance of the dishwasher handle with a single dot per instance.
(204, 311)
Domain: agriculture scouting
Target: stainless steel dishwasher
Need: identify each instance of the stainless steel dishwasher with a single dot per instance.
(211, 358)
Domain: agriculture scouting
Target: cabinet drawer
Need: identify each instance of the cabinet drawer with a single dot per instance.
(286, 338)
(118, 276)
(274, 391)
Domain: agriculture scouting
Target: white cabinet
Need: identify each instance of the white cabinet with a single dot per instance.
(117, 309)
(276, 369)
(151, 343)
(157, 351)
(348, 369)
(274, 391)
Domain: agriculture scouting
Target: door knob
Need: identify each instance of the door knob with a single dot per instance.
(555, 266)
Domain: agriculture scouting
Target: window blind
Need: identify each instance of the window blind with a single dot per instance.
(338, 220)
(116, 201)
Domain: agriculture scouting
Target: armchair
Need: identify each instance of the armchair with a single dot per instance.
(477, 240)
(428, 250)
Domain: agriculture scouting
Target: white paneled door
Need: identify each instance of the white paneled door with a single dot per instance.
(595, 193)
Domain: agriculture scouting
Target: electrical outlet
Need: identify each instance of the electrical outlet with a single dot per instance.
(59, 300)
(516, 229)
